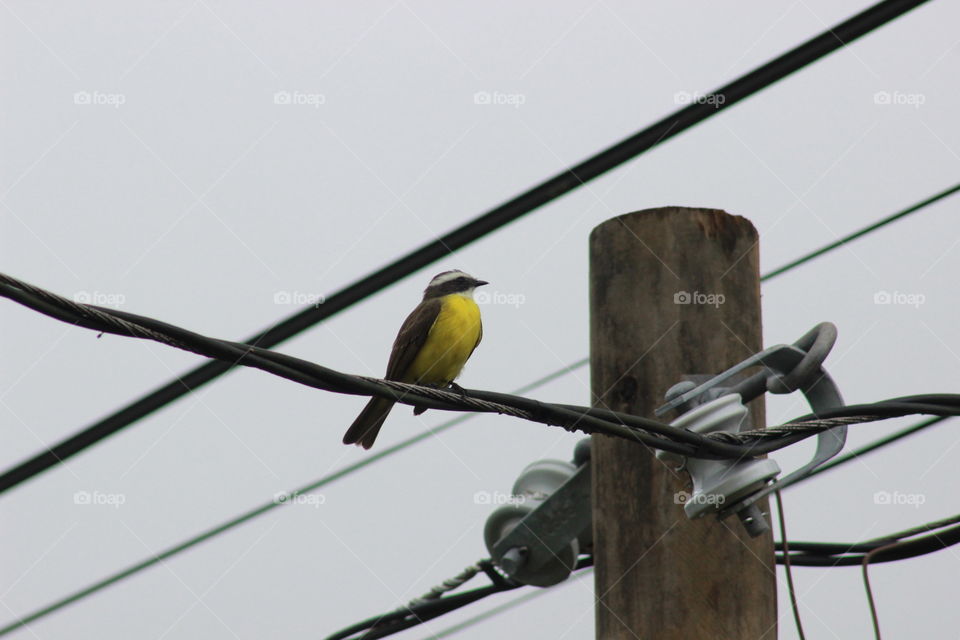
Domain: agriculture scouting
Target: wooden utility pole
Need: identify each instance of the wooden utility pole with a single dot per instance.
(673, 291)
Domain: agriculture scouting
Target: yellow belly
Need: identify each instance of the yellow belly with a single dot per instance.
(450, 342)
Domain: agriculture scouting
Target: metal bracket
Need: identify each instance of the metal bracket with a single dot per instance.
(787, 368)
(544, 535)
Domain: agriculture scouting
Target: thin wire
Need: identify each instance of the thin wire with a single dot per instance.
(784, 558)
(826, 552)
(786, 564)
(497, 610)
(858, 234)
(877, 444)
(370, 459)
(151, 334)
(891, 547)
(449, 584)
(393, 622)
(325, 480)
(923, 528)
(7, 480)
(489, 613)
(382, 278)
(269, 506)
(589, 420)
(866, 581)
(124, 326)
(763, 76)
(415, 612)
(586, 419)
(848, 554)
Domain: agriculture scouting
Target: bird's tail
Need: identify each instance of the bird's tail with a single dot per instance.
(365, 428)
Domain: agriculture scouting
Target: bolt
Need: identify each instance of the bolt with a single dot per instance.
(753, 520)
(514, 559)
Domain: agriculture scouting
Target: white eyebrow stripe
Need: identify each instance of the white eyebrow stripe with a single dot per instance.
(447, 277)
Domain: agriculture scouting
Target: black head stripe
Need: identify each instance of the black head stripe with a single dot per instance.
(454, 281)
(459, 284)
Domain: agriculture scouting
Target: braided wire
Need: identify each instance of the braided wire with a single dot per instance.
(445, 395)
(447, 585)
(805, 426)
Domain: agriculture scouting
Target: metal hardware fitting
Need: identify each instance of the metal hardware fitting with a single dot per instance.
(787, 368)
(537, 538)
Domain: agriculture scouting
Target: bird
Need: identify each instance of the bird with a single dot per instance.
(433, 344)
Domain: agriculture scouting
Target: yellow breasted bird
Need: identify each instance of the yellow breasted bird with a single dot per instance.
(434, 343)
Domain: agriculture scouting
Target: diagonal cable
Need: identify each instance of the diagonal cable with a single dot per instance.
(760, 78)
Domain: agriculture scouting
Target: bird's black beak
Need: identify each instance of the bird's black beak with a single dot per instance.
(479, 283)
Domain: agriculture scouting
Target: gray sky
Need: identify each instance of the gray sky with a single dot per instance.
(193, 160)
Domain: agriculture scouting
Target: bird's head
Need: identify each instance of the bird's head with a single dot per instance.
(448, 282)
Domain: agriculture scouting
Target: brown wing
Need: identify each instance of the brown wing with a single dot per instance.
(413, 333)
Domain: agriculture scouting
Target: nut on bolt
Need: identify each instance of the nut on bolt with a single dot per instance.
(514, 559)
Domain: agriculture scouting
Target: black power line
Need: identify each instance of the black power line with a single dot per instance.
(269, 506)
(902, 545)
(137, 326)
(264, 508)
(374, 457)
(607, 159)
(877, 444)
(652, 433)
(861, 232)
(823, 554)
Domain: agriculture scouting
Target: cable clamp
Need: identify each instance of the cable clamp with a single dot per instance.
(785, 368)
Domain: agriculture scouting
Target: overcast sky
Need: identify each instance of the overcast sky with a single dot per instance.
(217, 165)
